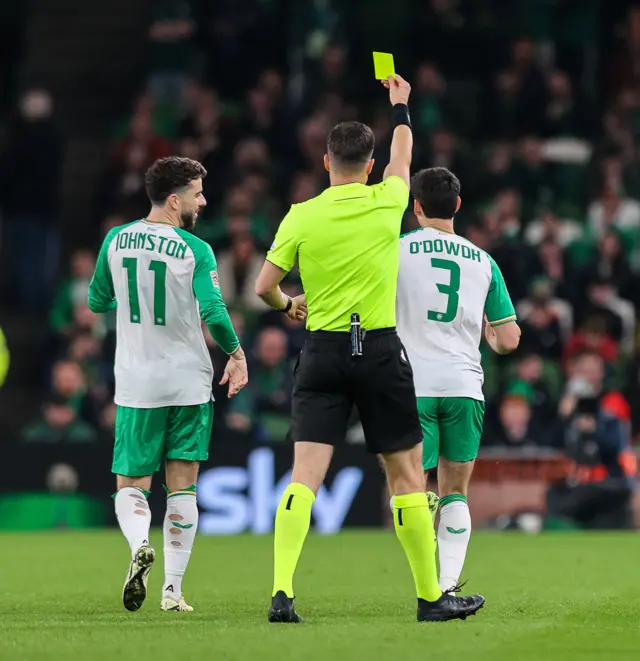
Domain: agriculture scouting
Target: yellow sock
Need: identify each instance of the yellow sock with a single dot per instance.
(293, 518)
(414, 528)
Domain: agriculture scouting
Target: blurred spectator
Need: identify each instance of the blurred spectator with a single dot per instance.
(531, 177)
(428, 90)
(541, 330)
(498, 169)
(612, 212)
(531, 87)
(617, 315)
(610, 264)
(238, 268)
(59, 424)
(556, 267)
(123, 186)
(171, 54)
(624, 70)
(143, 137)
(72, 291)
(548, 226)
(515, 428)
(239, 216)
(538, 382)
(595, 421)
(564, 116)
(85, 350)
(592, 337)
(30, 171)
(264, 406)
(305, 186)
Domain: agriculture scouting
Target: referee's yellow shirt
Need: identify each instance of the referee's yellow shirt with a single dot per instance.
(347, 243)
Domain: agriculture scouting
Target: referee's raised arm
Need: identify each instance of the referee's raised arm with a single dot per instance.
(402, 141)
(346, 243)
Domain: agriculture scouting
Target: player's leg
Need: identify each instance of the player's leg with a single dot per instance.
(320, 411)
(385, 397)
(187, 444)
(428, 413)
(461, 430)
(139, 438)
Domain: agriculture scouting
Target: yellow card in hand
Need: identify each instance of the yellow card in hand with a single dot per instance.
(383, 65)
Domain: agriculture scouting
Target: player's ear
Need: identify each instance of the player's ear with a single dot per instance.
(370, 165)
(326, 163)
(417, 209)
(458, 204)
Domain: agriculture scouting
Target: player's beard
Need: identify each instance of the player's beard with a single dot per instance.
(188, 219)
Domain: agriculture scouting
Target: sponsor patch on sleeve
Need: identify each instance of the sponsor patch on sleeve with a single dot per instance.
(215, 281)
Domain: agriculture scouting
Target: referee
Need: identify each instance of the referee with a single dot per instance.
(346, 243)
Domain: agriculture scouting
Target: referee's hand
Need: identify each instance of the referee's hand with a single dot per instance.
(399, 89)
(298, 311)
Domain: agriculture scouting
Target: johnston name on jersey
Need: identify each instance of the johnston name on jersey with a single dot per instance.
(162, 280)
(445, 287)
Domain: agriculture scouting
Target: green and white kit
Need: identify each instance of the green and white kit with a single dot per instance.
(446, 285)
(163, 281)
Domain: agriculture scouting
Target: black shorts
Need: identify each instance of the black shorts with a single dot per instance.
(328, 382)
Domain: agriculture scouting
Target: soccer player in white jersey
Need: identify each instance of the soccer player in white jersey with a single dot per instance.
(448, 290)
(163, 280)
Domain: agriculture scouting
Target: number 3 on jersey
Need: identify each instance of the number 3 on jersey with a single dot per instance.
(449, 290)
(159, 290)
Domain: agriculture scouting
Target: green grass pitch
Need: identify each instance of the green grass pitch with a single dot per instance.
(558, 596)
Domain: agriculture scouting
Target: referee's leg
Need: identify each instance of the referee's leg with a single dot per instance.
(385, 397)
(320, 411)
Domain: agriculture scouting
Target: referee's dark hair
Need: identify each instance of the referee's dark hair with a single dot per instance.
(437, 190)
(169, 175)
(350, 146)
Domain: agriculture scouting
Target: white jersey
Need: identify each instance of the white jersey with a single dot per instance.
(445, 286)
(162, 280)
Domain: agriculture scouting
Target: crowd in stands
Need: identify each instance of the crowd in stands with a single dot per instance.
(550, 174)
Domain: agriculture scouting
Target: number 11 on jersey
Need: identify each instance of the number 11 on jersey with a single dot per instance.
(159, 290)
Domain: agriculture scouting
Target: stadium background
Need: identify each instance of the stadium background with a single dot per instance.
(535, 105)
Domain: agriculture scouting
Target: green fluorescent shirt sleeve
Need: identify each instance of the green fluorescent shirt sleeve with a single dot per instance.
(498, 306)
(285, 246)
(102, 297)
(212, 306)
(393, 191)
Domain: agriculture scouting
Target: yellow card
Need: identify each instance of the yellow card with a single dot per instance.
(383, 65)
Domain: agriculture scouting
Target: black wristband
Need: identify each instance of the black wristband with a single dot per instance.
(400, 115)
(289, 305)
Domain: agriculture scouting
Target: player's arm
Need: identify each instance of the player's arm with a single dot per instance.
(280, 260)
(501, 329)
(213, 309)
(102, 297)
(402, 141)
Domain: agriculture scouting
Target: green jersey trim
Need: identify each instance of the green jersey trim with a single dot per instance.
(501, 322)
(411, 232)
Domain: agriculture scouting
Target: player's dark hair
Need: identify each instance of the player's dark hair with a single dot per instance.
(169, 175)
(437, 190)
(350, 145)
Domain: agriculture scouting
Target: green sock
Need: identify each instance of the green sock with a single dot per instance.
(414, 527)
(293, 518)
